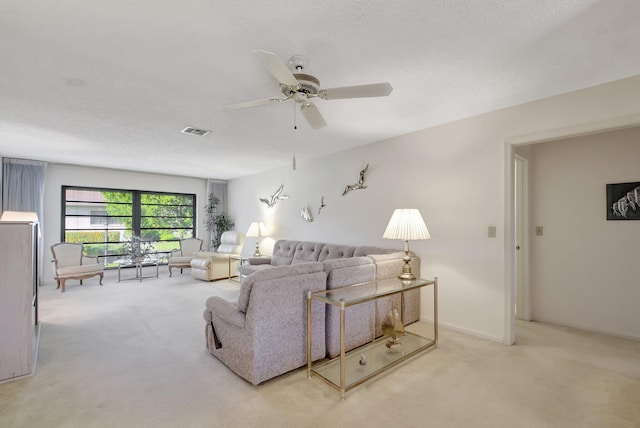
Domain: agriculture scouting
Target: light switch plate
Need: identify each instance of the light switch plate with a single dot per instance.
(539, 230)
(492, 231)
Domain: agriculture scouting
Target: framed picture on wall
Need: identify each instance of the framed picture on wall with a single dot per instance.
(623, 201)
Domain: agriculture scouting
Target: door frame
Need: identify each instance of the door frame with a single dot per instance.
(578, 130)
(521, 238)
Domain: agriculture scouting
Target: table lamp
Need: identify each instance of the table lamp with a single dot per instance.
(257, 230)
(408, 225)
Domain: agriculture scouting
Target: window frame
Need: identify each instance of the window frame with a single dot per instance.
(136, 213)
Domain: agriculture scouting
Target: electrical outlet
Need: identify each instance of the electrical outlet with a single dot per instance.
(539, 231)
(492, 231)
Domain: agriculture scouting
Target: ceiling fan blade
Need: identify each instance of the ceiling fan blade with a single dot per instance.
(278, 69)
(313, 116)
(255, 103)
(361, 91)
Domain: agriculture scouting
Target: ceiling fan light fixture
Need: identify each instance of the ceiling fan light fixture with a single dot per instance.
(299, 86)
(298, 63)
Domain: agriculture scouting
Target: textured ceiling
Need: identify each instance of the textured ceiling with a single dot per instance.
(112, 84)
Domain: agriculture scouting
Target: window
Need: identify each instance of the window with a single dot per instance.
(103, 219)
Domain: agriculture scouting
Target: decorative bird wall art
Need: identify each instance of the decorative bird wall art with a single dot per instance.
(306, 215)
(322, 205)
(359, 185)
(278, 196)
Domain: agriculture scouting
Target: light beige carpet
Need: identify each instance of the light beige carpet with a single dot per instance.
(133, 354)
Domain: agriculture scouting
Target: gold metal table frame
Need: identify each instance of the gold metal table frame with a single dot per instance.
(345, 371)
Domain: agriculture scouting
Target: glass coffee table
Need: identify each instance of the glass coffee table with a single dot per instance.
(138, 264)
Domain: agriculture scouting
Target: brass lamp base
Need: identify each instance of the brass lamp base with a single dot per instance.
(407, 276)
(257, 252)
(406, 269)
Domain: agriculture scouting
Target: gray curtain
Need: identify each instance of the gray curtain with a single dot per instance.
(23, 190)
(218, 189)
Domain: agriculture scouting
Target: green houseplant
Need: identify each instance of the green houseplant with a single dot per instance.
(215, 221)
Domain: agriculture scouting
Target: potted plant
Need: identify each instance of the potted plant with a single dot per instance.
(137, 249)
(216, 222)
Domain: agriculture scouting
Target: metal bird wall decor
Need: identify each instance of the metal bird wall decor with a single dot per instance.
(278, 196)
(359, 185)
(322, 204)
(306, 215)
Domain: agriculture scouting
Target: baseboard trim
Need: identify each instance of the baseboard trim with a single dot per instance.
(464, 330)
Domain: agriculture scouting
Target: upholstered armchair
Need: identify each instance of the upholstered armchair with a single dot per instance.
(71, 263)
(221, 264)
(181, 258)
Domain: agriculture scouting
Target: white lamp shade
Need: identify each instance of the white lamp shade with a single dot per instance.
(406, 224)
(257, 230)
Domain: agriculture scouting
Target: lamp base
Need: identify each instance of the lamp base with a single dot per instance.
(406, 274)
(257, 252)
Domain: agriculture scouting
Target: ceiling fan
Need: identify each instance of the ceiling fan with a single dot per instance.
(301, 87)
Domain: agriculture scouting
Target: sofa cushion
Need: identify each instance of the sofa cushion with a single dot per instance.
(79, 270)
(287, 273)
(366, 250)
(332, 264)
(283, 251)
(231, 242)
(380, 257)
(307, 252)
(343, 272)
(330, 251)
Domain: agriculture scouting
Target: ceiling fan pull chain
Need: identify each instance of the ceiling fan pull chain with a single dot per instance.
(295, 126)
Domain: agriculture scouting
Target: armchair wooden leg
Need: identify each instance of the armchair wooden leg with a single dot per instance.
(62, 281)
(169, 271)
(101, 277)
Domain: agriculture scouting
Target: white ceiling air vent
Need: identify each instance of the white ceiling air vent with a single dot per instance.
(195, 131)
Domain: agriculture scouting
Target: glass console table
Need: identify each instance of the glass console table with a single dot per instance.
(346, 371)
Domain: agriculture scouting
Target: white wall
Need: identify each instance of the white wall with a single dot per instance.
(584, 268)
(457, 174)
(68, 175)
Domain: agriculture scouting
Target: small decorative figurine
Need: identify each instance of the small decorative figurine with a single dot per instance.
(322, 204)
(392, 327)
(306, 215)
(278, 196)
(359, 185)
(363, 360)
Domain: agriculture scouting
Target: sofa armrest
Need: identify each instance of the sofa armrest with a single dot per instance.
(226, 311)
(200, 263)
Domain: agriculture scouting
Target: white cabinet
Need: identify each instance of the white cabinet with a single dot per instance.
(19, 329)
